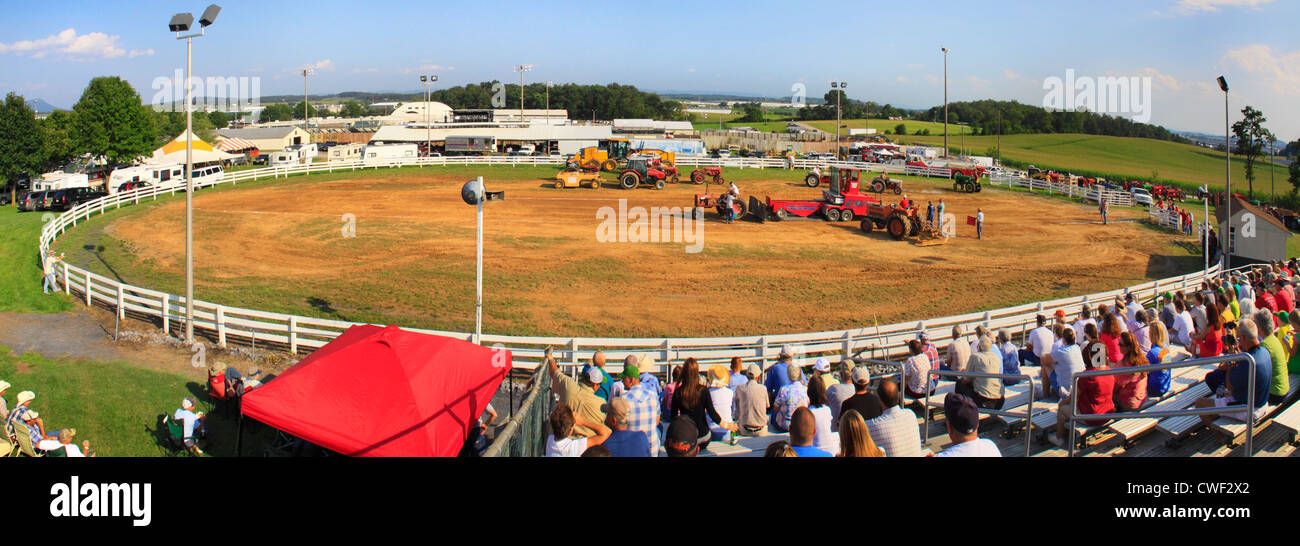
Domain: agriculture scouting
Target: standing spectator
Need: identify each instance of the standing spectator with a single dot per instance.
(987, 392)
(751, 404)
(824, 439)
(49, 264)
(693, 400)
(917, 368)
(622, 441)
(726, 204)
(778, 375)
(643, 406)
(1285, 298)
(1292, 344)
(1130, 389)
(855, 439)
(979, 224)
(1279, 384)
(579, 396)
(865, 402)
(723, 398)
(963, 421)
(929, 214)
(738, 377)
(896, 430)
(938, 212)
(1209, 340)
(606, 382)
(1266, 300)
(1104, 208)
(803, 428)
(1183, 326)
(841, 391)
(1095, 394)
(1235, 376)
(1158, 382)
(681, 438)
(958, 352)
(791, 397)
(1010, 356)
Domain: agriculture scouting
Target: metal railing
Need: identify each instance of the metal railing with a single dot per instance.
(1249, 408)
(524, 435)
(1028, 414)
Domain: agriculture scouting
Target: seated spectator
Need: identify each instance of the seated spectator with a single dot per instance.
(671, 387)
(896, 430)
(1183, 326)
(51, 446)
(928, 348)
(792, 396)
(1293, 343)
(803, 428)
(737, 374)
(693, 400)
(1060, 366)
(1279, 383)
(1158, 382)
(839, 392)
(682, 438)
(643, 405)
(780, 449)
(824, 439)
(723, 401)
(751, 404)
(1141, 329)
(563, 442)
(987, 392)
(1209, 340)
(1130, 389)
(623, 442)
(1039, 342)
(1095, 394)
(1131, 307)
(855, 438)
(22, 414)
(1085, 318)
(863, 401)
(778, 374)
(1231, 381)
(822, 369)
(192, 423)
(957, 354)
(963, 421)
(917, 368)
(1110, 332)
(1010, 356)
(580, 396)
(597, 451)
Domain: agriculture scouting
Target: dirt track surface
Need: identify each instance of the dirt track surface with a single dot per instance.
(412, 259)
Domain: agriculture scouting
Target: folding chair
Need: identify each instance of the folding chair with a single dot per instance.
(24, 437)
(176, 433)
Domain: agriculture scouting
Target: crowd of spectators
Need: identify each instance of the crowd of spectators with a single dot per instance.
(25, 431)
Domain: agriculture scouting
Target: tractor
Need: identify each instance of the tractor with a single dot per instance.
(881, 183)
(964, 183)
(899, 223)
(640, 171)
(601, 158)
(816, 178)
(573, 177)
(715, 202)
(698, 175)
(668, 159)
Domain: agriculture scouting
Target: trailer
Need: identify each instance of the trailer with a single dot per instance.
(388, 152)
(469, 145)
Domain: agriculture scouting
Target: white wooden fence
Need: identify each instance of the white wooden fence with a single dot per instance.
(1093, 193)
(226, 325)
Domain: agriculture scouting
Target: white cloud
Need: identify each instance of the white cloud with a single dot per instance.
(690, 70)
(371, 70)
(138, 52)
(1011, 74)
(94, 45)
(932, 79)
(428, 68)
(1280, 72)
(1188, 7)
(323, 66)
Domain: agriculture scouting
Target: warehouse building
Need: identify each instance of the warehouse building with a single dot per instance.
(268, 138)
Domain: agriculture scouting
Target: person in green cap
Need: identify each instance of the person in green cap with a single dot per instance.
(643, 403)
(1167, 312)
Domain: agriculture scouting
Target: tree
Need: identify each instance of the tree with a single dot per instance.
(57, 135)
(219, 119)
(1251, 137)
(112, 122)
(20, 140)
(900, 129)
(275, 112)
(353, 109)
(753, 113)
(297, 111)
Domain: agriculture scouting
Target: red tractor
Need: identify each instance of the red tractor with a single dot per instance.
(715, 202)
(642, 171)
(815, 178)
(698, 175)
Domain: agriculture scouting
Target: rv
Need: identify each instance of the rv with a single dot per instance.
(467, 145)
(389, 152)
(59, 180)
(344, 152)
(163, 175)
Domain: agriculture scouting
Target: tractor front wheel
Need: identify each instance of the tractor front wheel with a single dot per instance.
(865, 226)
(812, 181)
(659, 184)
(629, 180)
(559, 184)
(674, 180)
(833, 215)
(898, 189)
(781, 214)
(719, 180)
(595, 184)
(697, 177)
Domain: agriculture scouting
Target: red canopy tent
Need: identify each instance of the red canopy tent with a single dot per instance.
(383, 392)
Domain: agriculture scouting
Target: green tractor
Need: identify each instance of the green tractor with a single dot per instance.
(965, 183)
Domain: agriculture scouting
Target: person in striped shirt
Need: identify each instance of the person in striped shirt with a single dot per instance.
(643, 410)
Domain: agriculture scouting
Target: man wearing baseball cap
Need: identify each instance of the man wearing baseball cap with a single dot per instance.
(579, 396)
(778, 375)
(822, 369)
(865, 402)
(963, 421)
(623, 442)
(643, 406)
(606, 382)
(752, 404)
(682, 439)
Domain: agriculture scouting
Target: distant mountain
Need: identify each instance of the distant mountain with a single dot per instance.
(42, 107)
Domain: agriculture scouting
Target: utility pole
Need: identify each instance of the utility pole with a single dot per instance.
(306, 71)
(842, 87)
(945, 101)
(1228, 236)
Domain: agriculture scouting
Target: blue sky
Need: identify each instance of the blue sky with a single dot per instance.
(888, 52)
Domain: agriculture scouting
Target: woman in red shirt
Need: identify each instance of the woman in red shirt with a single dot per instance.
(1209, 341)
(1131, 389)
(1110, 332)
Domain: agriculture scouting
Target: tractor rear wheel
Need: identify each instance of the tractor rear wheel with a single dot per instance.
(659, 184)
(914, 227)
(833, 215)
(781, 214)
(865, 226)
(898, 227)
(846, 215)
(812, 180)
(978, 187)
(629, 180)
(609, 165)
(740, 210)
(697, 177)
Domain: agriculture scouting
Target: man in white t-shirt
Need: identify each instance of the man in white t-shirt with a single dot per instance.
(1197, 312)
(1183, 325)
(963, 422)
(1063, 363)
(1131, 307)
(65, 441)
(1085, 318)
(1040, 340)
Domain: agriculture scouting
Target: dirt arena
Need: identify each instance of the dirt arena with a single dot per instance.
(281, 246)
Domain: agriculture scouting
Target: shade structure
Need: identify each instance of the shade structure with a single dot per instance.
(174, 151)
(232, 145)
(383, 392)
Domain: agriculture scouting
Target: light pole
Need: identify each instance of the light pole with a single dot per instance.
(306, 71)
(521, 69)
(842, 87)
(181, 22)
(473, 193)
(1228, 236)
(945, 101)
(548, 118)
(428, 132)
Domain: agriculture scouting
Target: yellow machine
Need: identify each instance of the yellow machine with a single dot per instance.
(604, 157)
(668, 158)
(574, 177)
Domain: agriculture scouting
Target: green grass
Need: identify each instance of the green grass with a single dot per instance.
(881, 125)
(20, 270)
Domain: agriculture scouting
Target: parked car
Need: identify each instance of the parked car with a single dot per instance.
(66, 199)
(262, 160)
(1142, 197)
(27, 201)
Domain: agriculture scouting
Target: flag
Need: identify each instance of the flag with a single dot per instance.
(970, 220)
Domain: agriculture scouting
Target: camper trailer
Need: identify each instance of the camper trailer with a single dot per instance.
(59, 180)
(389, 152)
(166, 176)
(344, 152)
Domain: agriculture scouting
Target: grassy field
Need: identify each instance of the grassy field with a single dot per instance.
(20, 271)
(881, 125)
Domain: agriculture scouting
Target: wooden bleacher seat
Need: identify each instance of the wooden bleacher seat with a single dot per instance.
(1289, 420)
(1232, 428)
(1130, 429)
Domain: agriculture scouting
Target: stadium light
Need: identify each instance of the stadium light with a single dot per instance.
(521, 69)
(182, 22)
(945, 101)
(473, 193)
(428, 132)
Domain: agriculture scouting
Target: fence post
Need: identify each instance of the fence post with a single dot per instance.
(87, 289)
(121, 300)
(166, 322)
(66, 289)
(220, 315)
(668, 347)
(848, 342)
(293, 334)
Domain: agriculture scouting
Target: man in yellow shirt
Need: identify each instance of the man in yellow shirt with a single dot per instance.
(579, 396)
